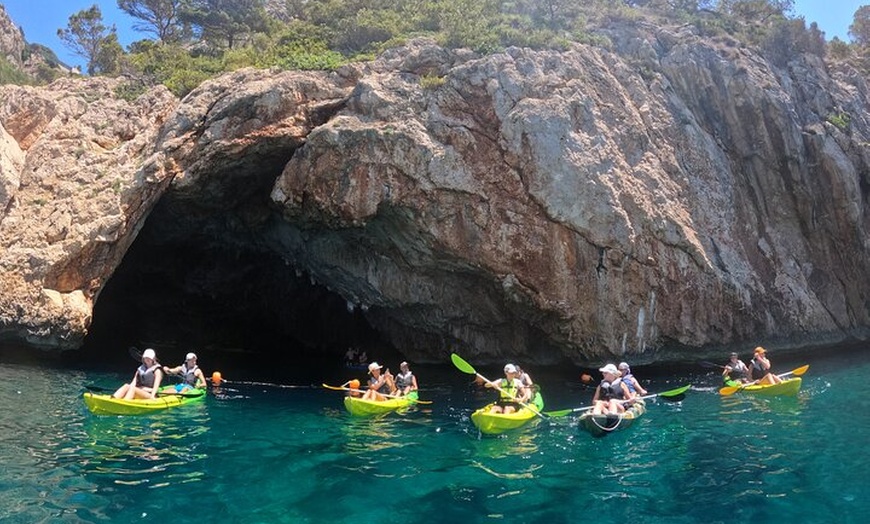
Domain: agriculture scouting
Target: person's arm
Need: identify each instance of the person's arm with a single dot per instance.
(200, 378)
(158, 376)
(413, 383)
(726, 371)
(172, 371)
(638, 387)
(597, 394)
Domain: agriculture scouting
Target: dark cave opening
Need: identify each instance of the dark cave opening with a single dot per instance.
(185, 286)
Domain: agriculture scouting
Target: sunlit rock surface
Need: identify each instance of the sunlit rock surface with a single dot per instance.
(670, 196)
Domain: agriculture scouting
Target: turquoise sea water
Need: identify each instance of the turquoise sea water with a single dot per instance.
(261, 453)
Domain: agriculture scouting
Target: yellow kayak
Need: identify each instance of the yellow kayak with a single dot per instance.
(495, 423)
(167, 398)
(788, 387)
(369, 408)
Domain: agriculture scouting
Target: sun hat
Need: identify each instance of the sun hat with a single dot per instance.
(189, 356)
(403, 365)
(149, 353)
(373, 366)
(510, 368)
(734, 355)
(760, 349)
(623, 365)
(609, 368)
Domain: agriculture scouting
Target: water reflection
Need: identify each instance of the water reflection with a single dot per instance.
(158, 450)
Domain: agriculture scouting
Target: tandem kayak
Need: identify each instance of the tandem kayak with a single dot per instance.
(495, 423)
(369, 408)
(167, 398)
(788, 387)
(600, 425)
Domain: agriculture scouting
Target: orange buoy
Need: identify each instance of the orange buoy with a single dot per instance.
(216, 378)
(353, 384)
(586, 378)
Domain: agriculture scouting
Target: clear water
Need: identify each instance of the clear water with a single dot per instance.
(260, 453)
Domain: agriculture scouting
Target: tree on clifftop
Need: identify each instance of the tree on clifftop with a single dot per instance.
(224, 23)
(159, 17)
(87, 37)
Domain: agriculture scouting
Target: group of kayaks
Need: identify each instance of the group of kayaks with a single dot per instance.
(484, 419)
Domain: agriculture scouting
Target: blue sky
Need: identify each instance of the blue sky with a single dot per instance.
(42, 18)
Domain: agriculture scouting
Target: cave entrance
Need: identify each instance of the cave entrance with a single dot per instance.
(187, 284)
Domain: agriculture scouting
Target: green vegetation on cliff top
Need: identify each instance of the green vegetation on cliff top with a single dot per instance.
(188, 41)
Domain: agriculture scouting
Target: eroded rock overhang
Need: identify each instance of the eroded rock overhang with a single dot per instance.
(537, 204)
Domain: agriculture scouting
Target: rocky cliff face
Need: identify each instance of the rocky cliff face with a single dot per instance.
(670, 195)
(12, 42)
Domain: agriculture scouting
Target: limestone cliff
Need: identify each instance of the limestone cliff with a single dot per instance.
(669, 195)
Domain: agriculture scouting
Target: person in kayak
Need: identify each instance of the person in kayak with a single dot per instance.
(146, 380)
(759, 368)
(379, 384)
(735, 370)
(191, 375)
(406, 382)
(611, 393)
(630, 381)
(512, 391)
(524, 377)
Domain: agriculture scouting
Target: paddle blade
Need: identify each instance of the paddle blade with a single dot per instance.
(800, 371)
(675, 392)
(462, 365)
(729, 390)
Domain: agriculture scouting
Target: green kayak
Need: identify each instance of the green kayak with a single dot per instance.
(167, 397)
(600, 425)
(495, 423)
(369, 408)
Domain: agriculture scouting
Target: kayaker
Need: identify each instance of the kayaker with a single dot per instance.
(512, 391)
(191, 375)
(406, 382)
(610, 393)
(759, 368)
(630, 381)
(524, 377)
(146, 380)
(379, 384)
(735, 370)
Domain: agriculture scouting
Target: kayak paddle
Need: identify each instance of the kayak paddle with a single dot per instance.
(670, 394)
(707, 364)
(465, 367)
(98, 389)
(730, 390)
(342, 388)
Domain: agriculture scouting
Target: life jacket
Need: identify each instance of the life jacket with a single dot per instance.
(628, 382)
(188, 376)
(145, 376)
(611, 390)
(384, 389)
(509, 389)
(758, 370)
(738, 371)
(404, 380)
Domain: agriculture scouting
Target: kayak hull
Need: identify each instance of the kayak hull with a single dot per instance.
(600, 425)
(108, 405)
(496, 423)
(788, 387)
(372, 408)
